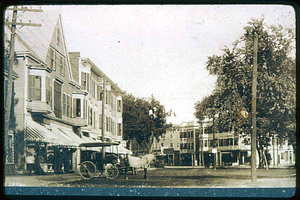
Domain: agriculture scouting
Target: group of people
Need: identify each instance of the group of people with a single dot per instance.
(58, 160)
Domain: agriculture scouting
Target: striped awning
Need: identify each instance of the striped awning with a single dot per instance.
(54, 136)
(121, 150)
(36, 132)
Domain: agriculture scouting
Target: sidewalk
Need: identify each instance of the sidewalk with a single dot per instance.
(227, 167)
(40, 180)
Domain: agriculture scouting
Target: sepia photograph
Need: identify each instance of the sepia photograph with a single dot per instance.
(150, 100)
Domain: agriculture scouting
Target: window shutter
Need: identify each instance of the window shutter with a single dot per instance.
(100, 121)
(50, 87)
(88, 82)
(84, 109)
(30, 87)
(74, 107)
(82, 79)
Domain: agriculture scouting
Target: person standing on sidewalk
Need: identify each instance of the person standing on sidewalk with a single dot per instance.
(30, 160)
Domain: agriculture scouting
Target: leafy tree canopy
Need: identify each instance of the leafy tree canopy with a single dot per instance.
(276, 88)
(143, 119)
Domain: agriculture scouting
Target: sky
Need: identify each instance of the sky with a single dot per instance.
(162, 49)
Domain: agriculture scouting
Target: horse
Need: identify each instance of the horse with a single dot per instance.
(140, 162)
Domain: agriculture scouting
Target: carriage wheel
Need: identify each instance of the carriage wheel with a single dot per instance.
(112, 171)
(87, 170)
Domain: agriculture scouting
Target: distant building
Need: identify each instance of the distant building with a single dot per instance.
(180, 144)
(235, 149)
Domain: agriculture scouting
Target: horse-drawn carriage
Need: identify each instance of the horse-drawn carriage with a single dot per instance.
(112, 165)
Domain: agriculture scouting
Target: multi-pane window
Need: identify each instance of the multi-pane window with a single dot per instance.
(106, 100)
(48, 91)
(85, 80)
(76, 107)
(52, 59)
(99, 93)
(64, 104)
(57, 99)
(58, 35)
(107, 121)
(90, 116)
(93, 89)
(171, 145)
(119, 129)
(205, 143)
(100, 121)
(119, 106)
(35, 86)
(94, 122)
(68, 106)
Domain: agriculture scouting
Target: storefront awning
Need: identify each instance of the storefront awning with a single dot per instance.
(54, 136)
(36, 132)
(121, 150)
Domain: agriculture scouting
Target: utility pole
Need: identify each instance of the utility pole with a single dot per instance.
(254, 87)
(214, 142)
(103, 118)
(8, 96)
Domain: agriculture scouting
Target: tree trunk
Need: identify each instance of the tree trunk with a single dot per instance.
(260, 156)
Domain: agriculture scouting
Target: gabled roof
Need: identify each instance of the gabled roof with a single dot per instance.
(36, 38)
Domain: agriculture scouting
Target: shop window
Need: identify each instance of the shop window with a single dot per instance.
(35, 88)
(57, 100)
(236, 141)
(205, 143)
(221, 143)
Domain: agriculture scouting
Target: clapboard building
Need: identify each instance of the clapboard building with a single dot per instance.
(60, 98)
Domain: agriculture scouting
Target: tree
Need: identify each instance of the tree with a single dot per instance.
(276, 89)
(143, 120)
